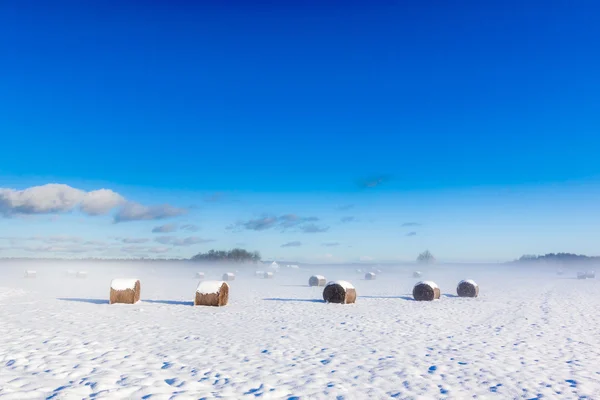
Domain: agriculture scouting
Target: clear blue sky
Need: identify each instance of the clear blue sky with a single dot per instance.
(483, 118)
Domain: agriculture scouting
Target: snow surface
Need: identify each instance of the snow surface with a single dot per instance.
(429, 283)
(209, 287)
(530, 334)
(123, 284)
(471, 281)
(345, 284)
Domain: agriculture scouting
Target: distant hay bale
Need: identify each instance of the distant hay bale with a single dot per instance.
(581, 275)
(125, 291)
(590, 274)
(359, 271)
(340, 292)
(82, 274)
(268, 275)
(259, 274)
(317, 280)
(370, 276)
(467, 288)
(199, 275)
(212, 293)
(426, 291)
(71, 273)
(30, 274)
(228, 276)
(417, 274)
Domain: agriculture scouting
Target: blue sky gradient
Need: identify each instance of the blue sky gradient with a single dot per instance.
(482, 116)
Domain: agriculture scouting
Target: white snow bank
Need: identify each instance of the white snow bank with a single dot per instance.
(429, 283)
(346, 285)
(471, 281)
(123, 284)
(209, 287)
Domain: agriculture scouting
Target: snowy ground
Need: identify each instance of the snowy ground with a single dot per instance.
(530, 334)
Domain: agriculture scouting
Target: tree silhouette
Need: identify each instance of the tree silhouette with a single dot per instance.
(233, 255)
(426, 257)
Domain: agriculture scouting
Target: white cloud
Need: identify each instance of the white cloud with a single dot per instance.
(165, 228)
(138, 212)
(57, 198)
(175, 241)
(135, 240)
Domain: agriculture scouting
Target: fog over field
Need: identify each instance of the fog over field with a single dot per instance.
(530, 333)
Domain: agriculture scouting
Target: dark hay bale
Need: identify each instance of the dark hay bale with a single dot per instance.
(426, 291)
(340, 292)
(268, 275)
(317, 280)
(581, 275)
(591, 274)
(467, 288)
(228, 276)
(212, 293)
(370, 276)
(417, 274)
(125, 291)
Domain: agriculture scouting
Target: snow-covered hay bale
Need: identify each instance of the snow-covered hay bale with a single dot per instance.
(317, 280)
(212, 293)
(417, 274)
(581, 275)
(341, 292)
(268, 275)
(199, 275)
(125, 291)
(590, 274)
(426, 291)
(228, 276)
(467, 288)
(370, 276)
(70, 273)
(30, 274)
(82, 274)
(259, 274)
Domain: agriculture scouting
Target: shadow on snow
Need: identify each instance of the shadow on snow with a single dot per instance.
(102, 301)
(293, 300)
(91, 301)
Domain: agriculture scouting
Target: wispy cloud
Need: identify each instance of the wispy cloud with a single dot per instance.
(57, 198)
(135, 240)
(347, 219)
(407, 224)
(313, 228)
(138, 212)
(331, 244)
(373, 181)
(167, 228)
(175, 241)
(411, 234)
(283, 223)
(215, 197)
(345, 207)
(292, 244)
(190, 228)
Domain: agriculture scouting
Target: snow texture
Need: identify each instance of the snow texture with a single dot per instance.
(345, 284)
(209, 287)
(530, 335)
(433, 285)
(123, 284)
(471, 281)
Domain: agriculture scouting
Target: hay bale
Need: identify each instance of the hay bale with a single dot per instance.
(426, 291)
(125, 291)
(370, 276)
(417, 274)
(268, 275)
(341, 292)
(199, 275)
(259, 274)
(228, 276)
(71, 273)
(82, 275)
(467, 288)
(581, 275)
(212, 293)
(590, 274)
(317, 280)
(30, 274)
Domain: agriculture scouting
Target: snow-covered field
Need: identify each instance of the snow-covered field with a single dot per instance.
(530, 334)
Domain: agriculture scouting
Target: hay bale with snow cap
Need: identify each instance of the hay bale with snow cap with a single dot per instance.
(125, 291)
(370, 276)
(228, 276)
(30, 274)
(590, 274)
(426, 291)
(199, 275)
(340, 292)
(581, 275)
(417, 274)
(467, 288)
(317, 280)
(212, 293)
(268, 275)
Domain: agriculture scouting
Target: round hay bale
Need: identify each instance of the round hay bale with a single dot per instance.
(82, 274)
(228, 276)
(426, 291)
(581, 275)
(340, 292)
(30, 274)
(259, 274)
(212, 293)
(268, 275)
(199, 275)
(125, 291)
(370, 276)
(417, 274)
(317, 280)
(467, 288)
(590, 274)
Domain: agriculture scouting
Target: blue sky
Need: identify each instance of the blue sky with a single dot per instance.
(481, 118)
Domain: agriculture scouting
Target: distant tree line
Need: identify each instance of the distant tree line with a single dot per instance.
(233, 255)
(557, 258)
(426, 258)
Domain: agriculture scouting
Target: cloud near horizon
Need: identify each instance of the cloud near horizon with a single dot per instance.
(292, 244)
(188, 241)
(283, 223)
(138, 212)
